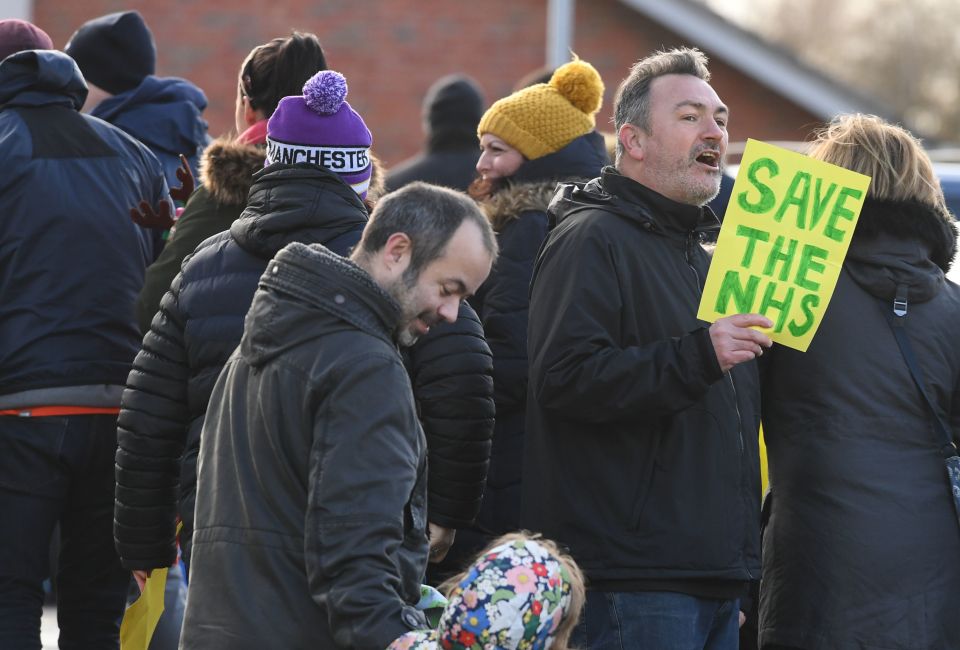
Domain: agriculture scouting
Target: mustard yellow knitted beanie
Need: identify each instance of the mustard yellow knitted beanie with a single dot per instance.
(545, 118)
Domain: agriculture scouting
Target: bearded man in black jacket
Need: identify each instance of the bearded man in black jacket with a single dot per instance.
(311, 494)
(642, 451)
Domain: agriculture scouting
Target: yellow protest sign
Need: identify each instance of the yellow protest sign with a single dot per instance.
(784, 237)
(140, 619)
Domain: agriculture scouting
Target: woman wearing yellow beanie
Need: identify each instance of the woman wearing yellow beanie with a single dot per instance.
(529, 141)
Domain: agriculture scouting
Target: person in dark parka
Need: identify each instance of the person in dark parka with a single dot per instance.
(116, 53)
(551, 137)
(451, 110)
(862, 549)
(71, 264)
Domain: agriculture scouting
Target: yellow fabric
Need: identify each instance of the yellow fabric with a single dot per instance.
(141, 618)
(545, 118)
(764, 473)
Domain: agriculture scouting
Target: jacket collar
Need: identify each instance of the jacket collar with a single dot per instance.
(665, 214)
(334, 284)
(299, 202)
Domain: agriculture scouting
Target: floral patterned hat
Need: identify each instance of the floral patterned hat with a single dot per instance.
(514, 597)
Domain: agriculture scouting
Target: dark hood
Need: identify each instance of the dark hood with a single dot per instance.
(163, 113)
(583, 158)
(40, 78)
(302, 203)
(901, 242)
(307, 292)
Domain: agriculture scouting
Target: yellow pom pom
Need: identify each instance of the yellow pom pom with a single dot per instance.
(580, 83)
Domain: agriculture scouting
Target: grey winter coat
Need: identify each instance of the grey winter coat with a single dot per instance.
(311, 500)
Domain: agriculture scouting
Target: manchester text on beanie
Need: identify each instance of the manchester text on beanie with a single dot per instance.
(544, 118)
(321, 128)
(115, 52)
(19, 35)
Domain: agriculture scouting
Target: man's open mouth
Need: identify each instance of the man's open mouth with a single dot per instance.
(710, 158)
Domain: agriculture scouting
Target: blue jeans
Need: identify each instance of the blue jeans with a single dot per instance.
(656, 620)
(59, 469)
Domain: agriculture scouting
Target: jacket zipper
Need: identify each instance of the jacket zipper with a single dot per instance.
(691, 242)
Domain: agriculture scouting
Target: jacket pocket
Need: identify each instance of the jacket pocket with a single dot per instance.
(415, 511)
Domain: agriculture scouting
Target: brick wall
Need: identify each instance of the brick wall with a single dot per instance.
(392, 50)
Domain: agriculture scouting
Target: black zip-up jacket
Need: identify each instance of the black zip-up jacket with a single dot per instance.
(641, 455)
(311, 506)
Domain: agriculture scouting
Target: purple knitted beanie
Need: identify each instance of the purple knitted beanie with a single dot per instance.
(321, 128)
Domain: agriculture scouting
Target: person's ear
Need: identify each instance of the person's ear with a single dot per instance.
(396, 253)
(632, 138)
(250, 115)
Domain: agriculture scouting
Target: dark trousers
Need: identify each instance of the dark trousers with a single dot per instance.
(59, 469)
(656, 619)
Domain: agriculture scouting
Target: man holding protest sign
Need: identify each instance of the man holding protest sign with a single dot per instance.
(642, 454)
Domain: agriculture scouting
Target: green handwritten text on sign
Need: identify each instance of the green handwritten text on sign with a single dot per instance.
(787, 229)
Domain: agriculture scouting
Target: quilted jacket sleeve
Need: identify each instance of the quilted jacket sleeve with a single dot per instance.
(152, 429)
(451, 370)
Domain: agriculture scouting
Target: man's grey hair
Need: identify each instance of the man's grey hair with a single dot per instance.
(632, 102)
(429, 215)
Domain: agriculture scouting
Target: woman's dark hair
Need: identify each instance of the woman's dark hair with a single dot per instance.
(279, 69)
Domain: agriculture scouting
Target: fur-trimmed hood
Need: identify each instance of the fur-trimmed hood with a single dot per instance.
(516, 198)
(910, 220)
(901, 242)
(227, 169)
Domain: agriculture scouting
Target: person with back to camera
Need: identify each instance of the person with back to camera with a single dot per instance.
(862, 549)
(451, 109)
(529, 140)
(201, 317)
(117, 56)
(71, 264)
(270, 72)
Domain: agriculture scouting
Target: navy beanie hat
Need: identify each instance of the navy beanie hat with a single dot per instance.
(115, 52)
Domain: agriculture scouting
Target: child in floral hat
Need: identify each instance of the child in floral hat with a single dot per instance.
(522, 593)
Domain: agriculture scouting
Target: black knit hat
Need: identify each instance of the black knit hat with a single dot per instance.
(114, 52)
(453, 104)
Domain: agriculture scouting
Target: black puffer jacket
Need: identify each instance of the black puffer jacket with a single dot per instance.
(451, 369)
(226, 174)
(199, 324)
(518, 213)
(640, 455)
(863, 548)
(311, 509)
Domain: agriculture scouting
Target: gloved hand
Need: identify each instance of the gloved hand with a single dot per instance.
(187, 182)
(145, 216)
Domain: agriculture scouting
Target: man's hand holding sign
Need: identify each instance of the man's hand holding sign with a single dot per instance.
(786, 232)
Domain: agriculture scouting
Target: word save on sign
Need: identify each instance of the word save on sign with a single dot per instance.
(784, 237)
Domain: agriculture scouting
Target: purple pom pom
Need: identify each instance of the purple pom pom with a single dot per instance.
(325, 91)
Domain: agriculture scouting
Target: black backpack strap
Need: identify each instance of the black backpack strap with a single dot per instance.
(897, 318)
